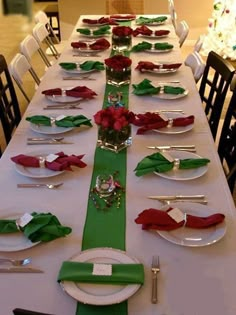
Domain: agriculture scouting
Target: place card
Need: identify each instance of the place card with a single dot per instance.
(24, 220)
(102, 269)
(177, 215)
(167, 156)
(60, 117)
(51, 157)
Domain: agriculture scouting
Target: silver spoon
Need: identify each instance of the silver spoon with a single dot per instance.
(16, 262)
(49, 186)
(59, 139)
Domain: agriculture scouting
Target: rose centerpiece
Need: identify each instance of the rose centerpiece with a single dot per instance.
(121, 38)
(118, 70)
(114, 129)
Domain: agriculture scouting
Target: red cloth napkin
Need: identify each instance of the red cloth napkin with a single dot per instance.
(143, 30)
(150, 121)
(161, 32)
(123, 17)
(63, 162)
(78, 91)
(102, 20)
(100, 44)
(154, 219)
(148, 65)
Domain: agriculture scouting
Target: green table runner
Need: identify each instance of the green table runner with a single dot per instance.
(106, 228)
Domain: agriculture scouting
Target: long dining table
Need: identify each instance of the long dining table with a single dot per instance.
(192, 280)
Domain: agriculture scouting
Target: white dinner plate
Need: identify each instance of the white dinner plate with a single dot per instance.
(123, 19)
(63, 98)
(88, 50)
(95, 24)
(93, 36)
(186, 236)
(101, 294)
(161, 70)
(166, 96)
(153, 36)
(174, 129)
(152, 23)
(37, 172)
(49, 130)
(158, 51)
(186, 174)
(12, 242)
(78, 70)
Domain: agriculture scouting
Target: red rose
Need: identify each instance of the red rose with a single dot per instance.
(122, 31)
(118, 62)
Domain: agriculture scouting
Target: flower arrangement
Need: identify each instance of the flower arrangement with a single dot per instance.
(114, 132)
(121, 38)
(118, 70)
(122, 31)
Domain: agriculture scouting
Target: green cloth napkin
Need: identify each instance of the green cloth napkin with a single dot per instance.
(87, 65)
(84, 31)
(100, 31)
(66, 122)
(44, 227)
(163, 46)
(158, 163)
(82, 272)
(141, 46)
(173, 89)
(145, 88)
(146, 20)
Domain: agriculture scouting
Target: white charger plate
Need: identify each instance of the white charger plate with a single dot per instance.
(101, 294)
(158, 51)
(63, 98)
(186, 174)
(186, 236)
(50, 130)
(174, 129)
(37, 172)
(166, 96)
(93, 36)
(12, 242)
(153, 36)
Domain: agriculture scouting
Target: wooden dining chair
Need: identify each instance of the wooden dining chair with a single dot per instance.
(227, 142)
(196, 63)
(214, 86)
(10, 114)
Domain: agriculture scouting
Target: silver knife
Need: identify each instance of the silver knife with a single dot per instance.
(32, 142)
(78, 78)
(20, 270)
(178, 197)
(190, 148)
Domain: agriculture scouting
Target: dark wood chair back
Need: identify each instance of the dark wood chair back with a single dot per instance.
(214, 86)
(227, 141)
(10, 115)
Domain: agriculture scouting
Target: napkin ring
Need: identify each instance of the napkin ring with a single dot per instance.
(42, 161)
(176, 163)
(170, 123)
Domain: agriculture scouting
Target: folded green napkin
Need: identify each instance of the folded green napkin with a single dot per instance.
(102, 30)
(146, 20)
(67, 121)
(87, 65)
(90, 64)
(82, 272)
(158, 163)
(84, 31)
(141, 46)
(44, 227)
(145, 88)
(163, 46)
(173, 89)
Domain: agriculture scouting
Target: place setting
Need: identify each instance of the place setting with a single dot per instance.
(99, 21)
(144, 31)
(81, 70)
(154, 21)
(46, 163)
(187, 224)
(174, 165)
(160, 67)
(169, 90)
(99, 32)
(159, 47)
(83, 48)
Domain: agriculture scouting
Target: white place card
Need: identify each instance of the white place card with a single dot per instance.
(168, 156)
(176, 214)
(51, 157)
(24, 220)
(102, 269)
(60, 117)
(163, 116)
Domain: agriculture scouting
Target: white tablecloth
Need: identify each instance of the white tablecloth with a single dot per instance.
(192, 281)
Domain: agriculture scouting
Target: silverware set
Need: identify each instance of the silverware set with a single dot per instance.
(38, 140)
(190, 147)
(78, 78)
(174, 198)
(49, 186)
(17, 266)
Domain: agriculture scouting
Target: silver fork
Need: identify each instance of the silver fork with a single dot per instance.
(16, 262)
(49, 186)
(155, 269)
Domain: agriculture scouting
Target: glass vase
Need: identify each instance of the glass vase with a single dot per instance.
(114, 140)
(118, 77)
(121, 43)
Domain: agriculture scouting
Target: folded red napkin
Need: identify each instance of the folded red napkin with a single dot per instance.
(123, 17)
(161, 32)
(78, 91)
(150, 121)
(143, 30)
(102, 20)
(154, 219)
(63, 162)
(100, 44)
(148, 65)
